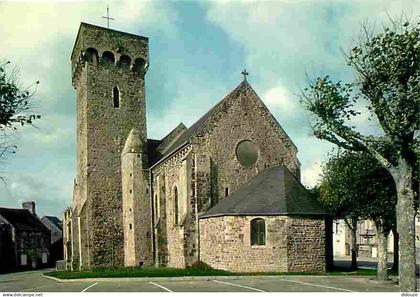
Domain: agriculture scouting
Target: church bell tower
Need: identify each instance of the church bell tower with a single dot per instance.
(108, 72)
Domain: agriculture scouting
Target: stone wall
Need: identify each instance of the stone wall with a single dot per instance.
(225, 244)
(83, 236)
(306, 245)
(176, 244)
(292, 244)
(174, 232)
(242, 117)
(67, 241)
(160, 222)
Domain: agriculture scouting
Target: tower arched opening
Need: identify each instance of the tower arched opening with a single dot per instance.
(108, 58)
(125, 62)
(91, 56)
(139, 66)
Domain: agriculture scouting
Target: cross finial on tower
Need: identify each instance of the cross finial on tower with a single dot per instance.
(107, 15)
(244, 73)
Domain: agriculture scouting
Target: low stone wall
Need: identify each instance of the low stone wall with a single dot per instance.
(292, 244)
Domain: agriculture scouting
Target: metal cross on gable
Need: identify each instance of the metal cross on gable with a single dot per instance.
(107, 16)
(244, 73)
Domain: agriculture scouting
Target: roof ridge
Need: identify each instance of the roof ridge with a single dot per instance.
(244, 82)
(166, 141)
(198, 125)
(272, 117)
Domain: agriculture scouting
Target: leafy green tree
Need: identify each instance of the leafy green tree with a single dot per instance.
(387, 71)
(15, 107)
(356, 187)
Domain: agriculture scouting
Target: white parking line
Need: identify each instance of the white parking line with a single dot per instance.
(315, 285)
(85, 289)
(160, 286)
(236, 285)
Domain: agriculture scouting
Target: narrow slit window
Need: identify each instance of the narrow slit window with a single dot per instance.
(116, 96)
(131, 226)
(156, 207)
(176, 206)
(226, 192)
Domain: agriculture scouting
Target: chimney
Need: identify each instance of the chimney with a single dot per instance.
(29, 205)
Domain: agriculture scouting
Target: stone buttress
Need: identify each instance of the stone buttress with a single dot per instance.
(136, 203)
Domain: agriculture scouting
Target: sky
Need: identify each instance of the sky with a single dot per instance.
(197, 52)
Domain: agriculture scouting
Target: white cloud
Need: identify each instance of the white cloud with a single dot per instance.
(279, 99)
(292, 38)
(311, 175)
(28, 25)
(51, 190)
(187, 106)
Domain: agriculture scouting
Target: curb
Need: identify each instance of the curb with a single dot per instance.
(188, 278)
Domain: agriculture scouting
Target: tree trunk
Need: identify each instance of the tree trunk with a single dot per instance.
(396, 251)
(405, 225)
(382, 272)
(354, 245)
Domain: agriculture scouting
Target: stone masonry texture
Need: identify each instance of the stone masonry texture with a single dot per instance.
(292, 244)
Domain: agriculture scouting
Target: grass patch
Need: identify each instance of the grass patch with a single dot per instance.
(197, 270)
(359, 272)
(139, 272)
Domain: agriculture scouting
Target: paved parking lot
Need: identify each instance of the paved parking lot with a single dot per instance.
(33, 281)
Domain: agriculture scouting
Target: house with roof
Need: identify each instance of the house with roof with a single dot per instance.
(26, 240)
(225, 191)
(55, 226)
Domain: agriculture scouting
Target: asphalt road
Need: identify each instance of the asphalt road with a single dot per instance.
(33, 281)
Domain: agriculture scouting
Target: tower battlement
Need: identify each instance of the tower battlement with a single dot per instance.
(113, 49)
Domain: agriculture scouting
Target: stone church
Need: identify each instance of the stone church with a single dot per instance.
(225, 191)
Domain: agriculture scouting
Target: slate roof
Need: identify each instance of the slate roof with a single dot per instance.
(23, 220)
(172, 136)
(275, 191)
(152, 153)
(56, 221)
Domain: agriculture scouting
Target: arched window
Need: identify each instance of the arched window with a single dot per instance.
(91, 56)
(116, 97)
(176, 217)
(257, 232)
(125, 62)
(139, 65)
(108, 58)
